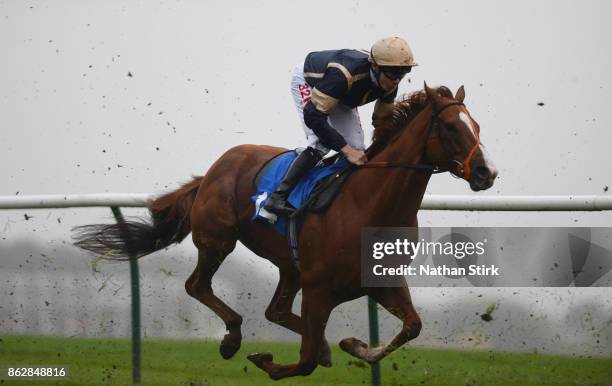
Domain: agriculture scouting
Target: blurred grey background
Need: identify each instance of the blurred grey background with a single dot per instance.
(136, 96)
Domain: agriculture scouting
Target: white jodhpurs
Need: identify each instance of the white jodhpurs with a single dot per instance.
(344, 119)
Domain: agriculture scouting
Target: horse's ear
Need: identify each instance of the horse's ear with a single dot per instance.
(432, 95)
(460, 95)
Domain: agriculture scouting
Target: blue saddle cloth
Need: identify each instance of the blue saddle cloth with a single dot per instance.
(269, 181)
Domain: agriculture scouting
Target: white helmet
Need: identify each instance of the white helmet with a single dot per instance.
(392, 53)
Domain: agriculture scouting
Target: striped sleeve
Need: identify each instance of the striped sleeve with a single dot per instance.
(384, 104)
(329, 90)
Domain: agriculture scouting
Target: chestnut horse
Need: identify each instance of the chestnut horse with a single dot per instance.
(429, 128)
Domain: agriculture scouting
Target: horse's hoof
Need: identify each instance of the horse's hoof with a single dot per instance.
(354, 346)
(325, 358)
(229, 347)
(325, 361)
(260, 358)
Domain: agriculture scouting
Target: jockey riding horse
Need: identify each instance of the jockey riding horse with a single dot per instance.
(327, 88)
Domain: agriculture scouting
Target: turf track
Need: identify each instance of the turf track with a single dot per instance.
(171, 362)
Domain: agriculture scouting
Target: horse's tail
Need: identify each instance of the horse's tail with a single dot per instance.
(169, 223)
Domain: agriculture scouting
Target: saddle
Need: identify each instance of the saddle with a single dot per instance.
(315, 193)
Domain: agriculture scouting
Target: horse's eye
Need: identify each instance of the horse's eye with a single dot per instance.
(450, 127)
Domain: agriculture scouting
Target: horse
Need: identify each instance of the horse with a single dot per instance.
(430, 129)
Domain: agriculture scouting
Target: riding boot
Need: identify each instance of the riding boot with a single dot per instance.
(306, 160)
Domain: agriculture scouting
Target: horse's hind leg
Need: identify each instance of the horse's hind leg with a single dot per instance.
(398, 302)
(279, 310)
(214, 243)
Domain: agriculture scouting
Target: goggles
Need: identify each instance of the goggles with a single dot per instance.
(395, 73)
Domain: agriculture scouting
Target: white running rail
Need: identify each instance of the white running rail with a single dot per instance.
(430, 202)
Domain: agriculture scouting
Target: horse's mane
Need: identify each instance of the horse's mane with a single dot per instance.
(403, 111)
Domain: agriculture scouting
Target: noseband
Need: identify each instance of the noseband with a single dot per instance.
(462, 169)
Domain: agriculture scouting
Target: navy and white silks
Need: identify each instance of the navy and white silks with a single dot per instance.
(327, 89)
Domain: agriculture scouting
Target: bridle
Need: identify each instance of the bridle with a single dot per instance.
(462, 169)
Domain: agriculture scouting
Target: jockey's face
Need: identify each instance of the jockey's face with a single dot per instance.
(387, 82)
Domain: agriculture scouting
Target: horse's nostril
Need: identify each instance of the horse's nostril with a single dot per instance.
(482, 172)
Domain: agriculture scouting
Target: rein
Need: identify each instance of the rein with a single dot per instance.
(404, 165)
(463, 169)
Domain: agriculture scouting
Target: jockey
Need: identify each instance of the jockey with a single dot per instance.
(327, 88)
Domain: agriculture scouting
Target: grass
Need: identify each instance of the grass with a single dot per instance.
(174, 362)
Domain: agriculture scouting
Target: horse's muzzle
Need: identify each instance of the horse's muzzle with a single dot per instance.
(482, 177)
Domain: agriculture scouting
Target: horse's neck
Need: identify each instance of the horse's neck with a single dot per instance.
(409, 145)
(399, 191)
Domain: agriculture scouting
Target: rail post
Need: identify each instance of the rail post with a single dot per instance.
(374, 338)
(135, 286)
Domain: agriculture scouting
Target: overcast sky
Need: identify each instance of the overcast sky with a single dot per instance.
(136, 96)
(206, 78)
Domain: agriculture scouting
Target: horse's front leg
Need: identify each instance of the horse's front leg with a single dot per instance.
(317, 304)
(398, 302)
